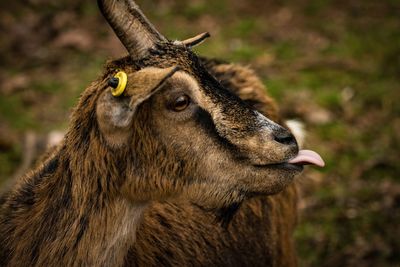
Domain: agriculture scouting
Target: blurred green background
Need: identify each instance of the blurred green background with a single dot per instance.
(335, 65)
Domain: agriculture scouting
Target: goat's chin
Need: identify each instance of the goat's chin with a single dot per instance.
(269, 180)
(225, 204)
(265, 180)
(222, 193)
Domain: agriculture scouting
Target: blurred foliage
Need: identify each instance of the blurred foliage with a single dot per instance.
(333, 64)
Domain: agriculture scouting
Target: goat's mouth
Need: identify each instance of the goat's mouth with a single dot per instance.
(304, 157)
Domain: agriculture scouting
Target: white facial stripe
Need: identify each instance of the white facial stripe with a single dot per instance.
(267, 123)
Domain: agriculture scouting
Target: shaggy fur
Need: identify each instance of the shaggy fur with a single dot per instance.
(260, 233)
(171, 233)
(86, 204)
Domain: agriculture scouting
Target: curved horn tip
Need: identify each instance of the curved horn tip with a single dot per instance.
(194, 41)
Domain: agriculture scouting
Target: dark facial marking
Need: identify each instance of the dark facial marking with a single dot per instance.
(205, 121)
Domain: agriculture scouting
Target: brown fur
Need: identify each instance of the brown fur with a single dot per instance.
(84, 204)
(171, 233)
(260, 233)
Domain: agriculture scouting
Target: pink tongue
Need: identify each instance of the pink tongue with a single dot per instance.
(308, 157)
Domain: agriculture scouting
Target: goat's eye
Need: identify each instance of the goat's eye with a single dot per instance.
(181, 103)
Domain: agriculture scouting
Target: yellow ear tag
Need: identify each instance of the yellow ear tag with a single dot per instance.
(118, 83)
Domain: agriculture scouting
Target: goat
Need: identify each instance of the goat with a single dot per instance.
(175, 133)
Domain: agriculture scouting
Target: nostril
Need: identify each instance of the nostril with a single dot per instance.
(284, 137)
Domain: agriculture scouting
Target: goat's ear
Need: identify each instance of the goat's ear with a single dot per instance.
(115, 114)
(194, 41)
(114, 117)
(144, 83)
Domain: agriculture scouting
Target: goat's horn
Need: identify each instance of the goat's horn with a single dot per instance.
(134, 30)
(198, 39)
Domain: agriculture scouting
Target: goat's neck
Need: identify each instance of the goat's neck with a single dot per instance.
(66, 215)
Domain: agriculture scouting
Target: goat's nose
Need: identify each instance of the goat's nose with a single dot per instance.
(284, 137)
